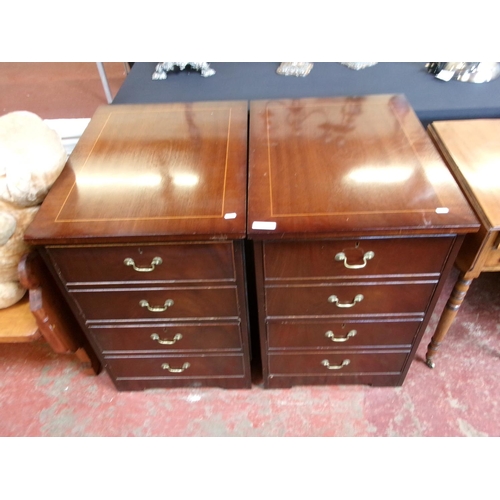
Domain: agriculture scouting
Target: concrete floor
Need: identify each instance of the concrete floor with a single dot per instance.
(45, 394)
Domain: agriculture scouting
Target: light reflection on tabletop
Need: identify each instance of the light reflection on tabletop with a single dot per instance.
(389, 175)
(145, 180)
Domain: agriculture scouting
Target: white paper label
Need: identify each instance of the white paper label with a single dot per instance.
(230, 215)
(268, 226)
(442, 210)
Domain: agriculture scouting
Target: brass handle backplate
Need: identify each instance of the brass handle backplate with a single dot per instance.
(330, 335)
(333, 299)
(177, 336)
(341, 256)
(155, 262)
(166, 366)
(168, 303)
(327, 364)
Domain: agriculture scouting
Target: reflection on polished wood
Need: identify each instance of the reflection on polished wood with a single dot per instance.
(354, 164)
(347, 198)
(471, 149)
(153, 172)
(143, 232)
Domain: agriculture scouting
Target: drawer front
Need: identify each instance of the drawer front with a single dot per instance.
(334, 300)
(171, 303)
(177, 367)
(179, 262)
(337, 363)
(168, 337)
(328, 259)
(338, 335)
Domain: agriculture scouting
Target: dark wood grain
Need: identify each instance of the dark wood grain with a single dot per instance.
(374, 379)
(182, 262)
(124, 303)
(333, 334)
(181, 337)
(393, 256)
(152, 207)
(357, 176)
(152, 172)
(379, 298)
(380, 362)
(357, 164)
(208, 365)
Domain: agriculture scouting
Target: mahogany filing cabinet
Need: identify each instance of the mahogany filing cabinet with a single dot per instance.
(355, 222)
(144, 233)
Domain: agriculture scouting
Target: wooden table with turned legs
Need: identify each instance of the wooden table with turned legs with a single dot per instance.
(471, 148)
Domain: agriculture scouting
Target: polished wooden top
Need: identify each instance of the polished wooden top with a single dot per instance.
(348, 165)
(152, 172)
(472, 150)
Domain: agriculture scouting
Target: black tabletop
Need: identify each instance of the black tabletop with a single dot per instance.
(431, 98)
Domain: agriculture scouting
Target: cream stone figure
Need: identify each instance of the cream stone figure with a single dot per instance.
(31, 158)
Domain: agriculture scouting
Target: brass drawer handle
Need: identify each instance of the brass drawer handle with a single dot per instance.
(168, 303)
(177, 336)
(330, 335)
(155, 262)
(166, 366)
(333, 299)
(342, 257)
(326, 363)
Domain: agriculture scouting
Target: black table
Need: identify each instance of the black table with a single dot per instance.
(431, 98)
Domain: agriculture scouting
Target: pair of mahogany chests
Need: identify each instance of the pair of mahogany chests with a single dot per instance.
(333, 222)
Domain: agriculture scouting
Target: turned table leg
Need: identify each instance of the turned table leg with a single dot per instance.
(450, 311)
